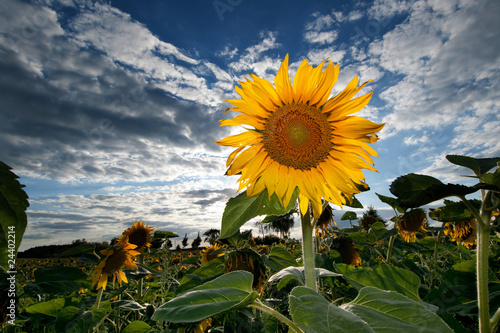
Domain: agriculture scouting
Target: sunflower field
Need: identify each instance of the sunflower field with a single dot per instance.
(300, 156)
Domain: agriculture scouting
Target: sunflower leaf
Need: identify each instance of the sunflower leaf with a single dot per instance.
(384, 311)
(384, 277)
(478, 165)
(279, 258)
(227, 292)
(242, 208)
(313, 313)
(454, 211)
(413, 190)
(13, 220)
(57, 280)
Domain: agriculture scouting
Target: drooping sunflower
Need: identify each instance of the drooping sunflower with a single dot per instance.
(301, 137)
(324, 220)
(412, 222)
(138, 234)
(247, 260)
(121, 255)
(348, 252)
(210, 253)
(463, 232)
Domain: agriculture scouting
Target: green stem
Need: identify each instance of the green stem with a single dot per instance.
(483, 240)
(494, 320)
(140, 282)
(436, 244)
(389, 249)
(98, 299)
(308, 250)
(257, 304)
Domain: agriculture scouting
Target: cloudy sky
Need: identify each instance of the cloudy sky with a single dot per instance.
(109, 109)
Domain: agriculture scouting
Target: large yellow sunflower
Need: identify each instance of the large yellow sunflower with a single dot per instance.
(298, 137)
(138, 234)
(122, 255)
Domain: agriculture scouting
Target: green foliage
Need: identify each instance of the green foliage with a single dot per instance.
(478, 165)
(174, 290)
(387, 311)
(13, 220)
(314, 314)
(209, 299)
(57, 280)
(243, 208)
(384, 277)
(414, 190)
(349, 216)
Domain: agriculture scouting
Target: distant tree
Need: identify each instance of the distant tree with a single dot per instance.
(370, 217)
(280, 224)
(349, 215)
(196, 242)
(211, 236)
(185, 241)
(178, 247)
(169, 243)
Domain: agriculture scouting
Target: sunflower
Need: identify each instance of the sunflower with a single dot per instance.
(138, 234)
(348, 252)
(463, 232)
(324, 220)
(412, 222)
(300, 137)
(208, 254)
(121, 255)
(248, 260)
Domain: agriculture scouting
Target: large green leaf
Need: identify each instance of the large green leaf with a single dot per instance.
(75, 320)
(205, 273)
(50, 308)
(384, 277)
(478, 165)
(57, 280)
(297, 273)
(137, 326)
(389, 311)
(164, 234)
(414, 190)
(454, 211)
(13, 220)
(314, 314)
(393, 202)
(279, 258)
(243, 208)
(228, 292)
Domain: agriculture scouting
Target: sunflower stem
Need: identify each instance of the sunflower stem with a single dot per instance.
(483, 240)
(308, 250)
(98, 299)
(139, 283)
(257, 304)
(494, 320)
(483, 218)
(389, 248)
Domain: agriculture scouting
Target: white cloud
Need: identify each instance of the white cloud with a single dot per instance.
(318, 31)
(230, 54)
(448, 65)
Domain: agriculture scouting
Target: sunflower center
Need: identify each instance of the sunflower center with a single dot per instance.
(115, 261)
(297, 136)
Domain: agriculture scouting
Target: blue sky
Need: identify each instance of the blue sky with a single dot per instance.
(109, 110)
